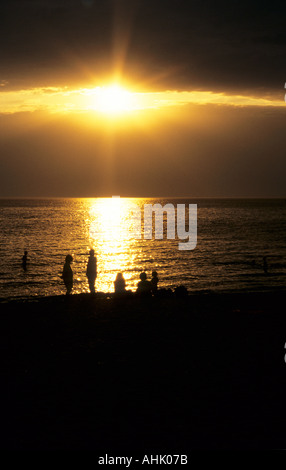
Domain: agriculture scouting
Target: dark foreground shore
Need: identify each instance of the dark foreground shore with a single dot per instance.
(160, 375)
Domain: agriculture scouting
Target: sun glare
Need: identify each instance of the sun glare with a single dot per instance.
(112, 100)
(109, 224)
(116, 101)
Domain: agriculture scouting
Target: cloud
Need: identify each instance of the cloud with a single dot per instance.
(215, 45)
(65, 100)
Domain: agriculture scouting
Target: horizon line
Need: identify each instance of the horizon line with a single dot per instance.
(143, 197)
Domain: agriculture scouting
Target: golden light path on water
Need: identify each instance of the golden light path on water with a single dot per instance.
(110, 234)
(222, 260)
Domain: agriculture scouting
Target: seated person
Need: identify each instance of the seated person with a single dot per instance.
(144, 286)
(119, 284)
(154, 282)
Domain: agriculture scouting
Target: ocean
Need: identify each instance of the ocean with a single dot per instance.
(233, 236)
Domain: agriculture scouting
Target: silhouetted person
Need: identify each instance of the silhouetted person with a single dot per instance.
(68, 274)
(181, 291)
(24, 260)
(265, 265)
(144, 286)
(154, 282)
(119, 284)
(91, 271)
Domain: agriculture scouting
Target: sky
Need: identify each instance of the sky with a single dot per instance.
(142, 98)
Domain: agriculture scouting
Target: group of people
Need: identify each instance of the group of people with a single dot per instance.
(143, 287)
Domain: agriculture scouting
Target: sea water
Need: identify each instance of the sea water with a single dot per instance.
(233, 236)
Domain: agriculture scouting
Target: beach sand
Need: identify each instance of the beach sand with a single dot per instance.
(157, 375)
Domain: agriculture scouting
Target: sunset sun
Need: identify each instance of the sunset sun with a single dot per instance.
(112, 100)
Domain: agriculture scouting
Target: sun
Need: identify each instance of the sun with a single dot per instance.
(112, 100)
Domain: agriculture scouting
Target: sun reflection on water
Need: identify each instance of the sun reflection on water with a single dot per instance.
(110, 234)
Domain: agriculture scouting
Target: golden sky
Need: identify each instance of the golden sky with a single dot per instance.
(113, 99)
(142, 98)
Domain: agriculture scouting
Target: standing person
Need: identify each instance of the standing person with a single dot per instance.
(91, 271)
(24, 260)
(68, 274)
